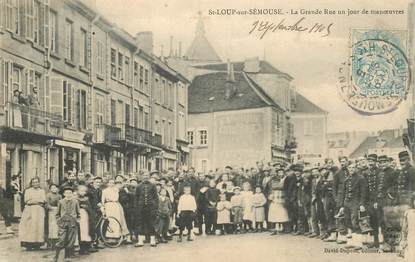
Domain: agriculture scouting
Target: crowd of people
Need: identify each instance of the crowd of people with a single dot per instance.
(355, 204)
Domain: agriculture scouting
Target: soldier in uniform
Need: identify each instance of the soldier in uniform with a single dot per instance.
(146, 207)
(371, 174)
(352, 202)
(399, 198)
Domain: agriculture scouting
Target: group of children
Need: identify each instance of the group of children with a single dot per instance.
(239, 211)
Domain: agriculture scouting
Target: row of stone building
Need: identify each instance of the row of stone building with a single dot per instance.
(79, 93)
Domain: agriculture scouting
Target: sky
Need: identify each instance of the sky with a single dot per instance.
(312, 60)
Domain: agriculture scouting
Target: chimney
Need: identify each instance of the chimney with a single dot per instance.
(180, 49)
(144, 41)
(251, 65)
(171, 46)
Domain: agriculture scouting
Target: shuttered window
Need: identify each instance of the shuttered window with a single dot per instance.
(67, 103)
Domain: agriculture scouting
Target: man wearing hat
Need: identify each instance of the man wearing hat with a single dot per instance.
(295, 210)
(146, 206)
(353, 202)
(405, 180)
(318, 222)
(372, 182)
(338, 189)
(377, 185)
(329, 203)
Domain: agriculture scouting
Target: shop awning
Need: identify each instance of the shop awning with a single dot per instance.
(69, 144)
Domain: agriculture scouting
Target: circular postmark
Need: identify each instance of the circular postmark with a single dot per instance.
(376, 79)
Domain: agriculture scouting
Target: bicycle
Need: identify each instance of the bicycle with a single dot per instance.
(108, 230)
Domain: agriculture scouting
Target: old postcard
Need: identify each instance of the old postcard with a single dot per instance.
(207, 130)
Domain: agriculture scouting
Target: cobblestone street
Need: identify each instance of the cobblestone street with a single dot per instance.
(235, 248)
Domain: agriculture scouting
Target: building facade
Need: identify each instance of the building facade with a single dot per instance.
(77, 93)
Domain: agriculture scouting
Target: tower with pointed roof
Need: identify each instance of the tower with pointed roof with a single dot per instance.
(200, 50)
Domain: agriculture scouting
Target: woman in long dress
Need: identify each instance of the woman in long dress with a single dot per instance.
(32, 223)
(113, 208)
(17, 197)
(277, 212)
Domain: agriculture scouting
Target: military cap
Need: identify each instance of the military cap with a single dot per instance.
(373, 157)
(403, 155)
(68, 188)
(382, 158)
(228, 167)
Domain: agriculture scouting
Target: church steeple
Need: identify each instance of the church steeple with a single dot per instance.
(200, 26)
(200, 50)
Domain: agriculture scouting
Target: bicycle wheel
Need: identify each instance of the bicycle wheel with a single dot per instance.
(111, 232)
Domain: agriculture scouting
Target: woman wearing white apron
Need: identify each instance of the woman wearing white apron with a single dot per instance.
(277, 212)
(32, 224)
(114, 209)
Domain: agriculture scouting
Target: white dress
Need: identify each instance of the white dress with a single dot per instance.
(114, 209)
(247, 205)
(224, 212)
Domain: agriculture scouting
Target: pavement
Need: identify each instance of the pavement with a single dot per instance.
(228, 248)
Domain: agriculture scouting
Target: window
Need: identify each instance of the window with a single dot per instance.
(100, 58)
(67, 102)
(190, 137)
(146, 86)
(135, 81)
(181, 93)
(157, 127)
(113, 63)
(182, 125)
(163, 132)
(83, 49)
(127, 114)
(171, 132)
(156, 85)
(82, 113)
(16, 23)
(166, 94)
(120, 67)
(127, 70)
(141, 78)
(170, 95)
(9, 13)
(146, 121)
(17, 78)
(136, 124)
(69, 40)
(53, 23)
(29, 18)
(37, 23)
(99, 109)
(203, 137)
(141, 117)
(113, 112)
(163, 87)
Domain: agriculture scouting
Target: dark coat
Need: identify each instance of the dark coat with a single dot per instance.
(146, 201)
(290, 186)
(338, 186)
(355, 190)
